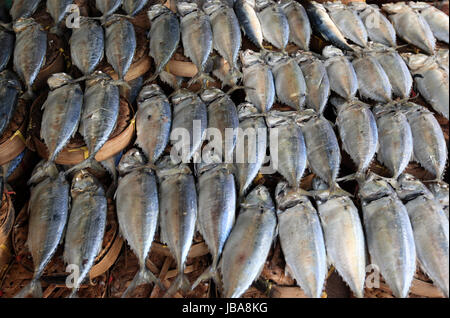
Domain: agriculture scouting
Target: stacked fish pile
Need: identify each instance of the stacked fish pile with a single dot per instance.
(193, 164)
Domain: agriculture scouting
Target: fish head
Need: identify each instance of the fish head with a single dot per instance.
(42, 171)
(114, 18)
(330, 51)
(181, 95)
(210, 159)
(58, 80)
(274, 58)
(149, 91)
(22, 23)
(132, 159)
(396, 7)
(211, 94)
(358, 5)
(408, 187)
(278, 118)
(259, 198)
(97, 78)
(211, 6)
(262, 4)
(249, 57)
(246, 110)
(156, 11)
(184, 8)
(287, 197)
(83, 181)
(416, 61)
(167, 167)
(374, 188)
(440, 191)
(420, 5)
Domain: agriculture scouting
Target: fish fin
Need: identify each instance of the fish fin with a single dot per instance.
(144, 276)
(34, 289)
(181, 282)
(209, 273)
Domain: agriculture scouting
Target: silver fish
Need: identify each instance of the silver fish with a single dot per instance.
(290, 84)
(249, 243)
(442, 58)
(291, 153)
(120, 44)
(58, 9)
(299, 26)
(411, 26)
(223, 118)
(440, 192)
(430, 148)
(316, 79)
(348, 22)
(178, 215)
(258, 80)
(431, 79)
(344, 238)
(153, 122)
(358, 131)
(249, 155)
(108, 7)
(395, 138)
(87, 221)
(164, 36)
(436, 19)
(301, 240)
(23, 8)
(190, 120)
(249, 21)
(274, 23)
(87, 45)
(137, 207)
(430, 228)
(7, 39)
(341, 74)
(10, 88)
(29, 52)
(133, 7)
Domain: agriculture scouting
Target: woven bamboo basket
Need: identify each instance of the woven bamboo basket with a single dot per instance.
(6, 224)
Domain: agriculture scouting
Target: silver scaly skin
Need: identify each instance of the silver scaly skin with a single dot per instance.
(249, 243)
(436, 19)
(442, 58)
(301, 240)
(133, 7)
(249, 21)
(23, 9)
(274, 23)
(58, 9)
(299, 27)
(108, 7)
(10, 88)
(7, 39)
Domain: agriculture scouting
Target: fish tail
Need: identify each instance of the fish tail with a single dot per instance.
(34, 289)
(210, 273)
(181, 282)
(335, 189)
(83, 165)
(121, 82)
(359, 176)
(144, 276)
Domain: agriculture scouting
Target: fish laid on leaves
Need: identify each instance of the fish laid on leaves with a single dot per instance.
(58, 9)
(348, 22)
(23, 8)
(251, 146)
(301, 239)
(290, 85)
(316, 79)
(389, 234)
(291, 152)
(178, 215)
(344, 237)
(440, 192)
(430, 229)
(249, 21)
(29, 52)
(10, 89)
(153, 122)
(341, 74)
(87, 45)
(48, 208)
(164, 36)
(299, 25)
(436, 19)
(324, 25)
(395, 138)
(274, 23)
(137, 206)
(258, 81)
(411, 26)
(87, 220)
(249, 243)
(431, 79)
(378, 27)
(7, 39)
(108, 7)
(133, 7)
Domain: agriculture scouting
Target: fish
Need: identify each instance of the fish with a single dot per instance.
(430, 229)
(324, 25)
(164, 36)
(373, 82)
(431, 79)
(436, 19)
(137, 206)
(348, 22)
(120, 44)
(62, 113)
(274, 23)
(153, 122)
(442, 58)
(87, 220)
(249, 243)
(344, 238)
(299, 25)
(378, 27)
(429, 145)
(178, 215)
(58, 9)
(291, 154)
(290, 85)
(108, 7)
(48, 209)
(10, 89)
(358, 132)
(250, 155)
(216, 211)
(87, 45)
(389, 234)
(411, 26)
(440, 191)
(29, 52)
(190, 120)
(341, 74)
(133, 7)
(258, 81)
(226, 33)
(223, 122)
(7, 39)
(197, 38)
(22, 9)
(316, 79)
(249, 21)
(301, 239)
